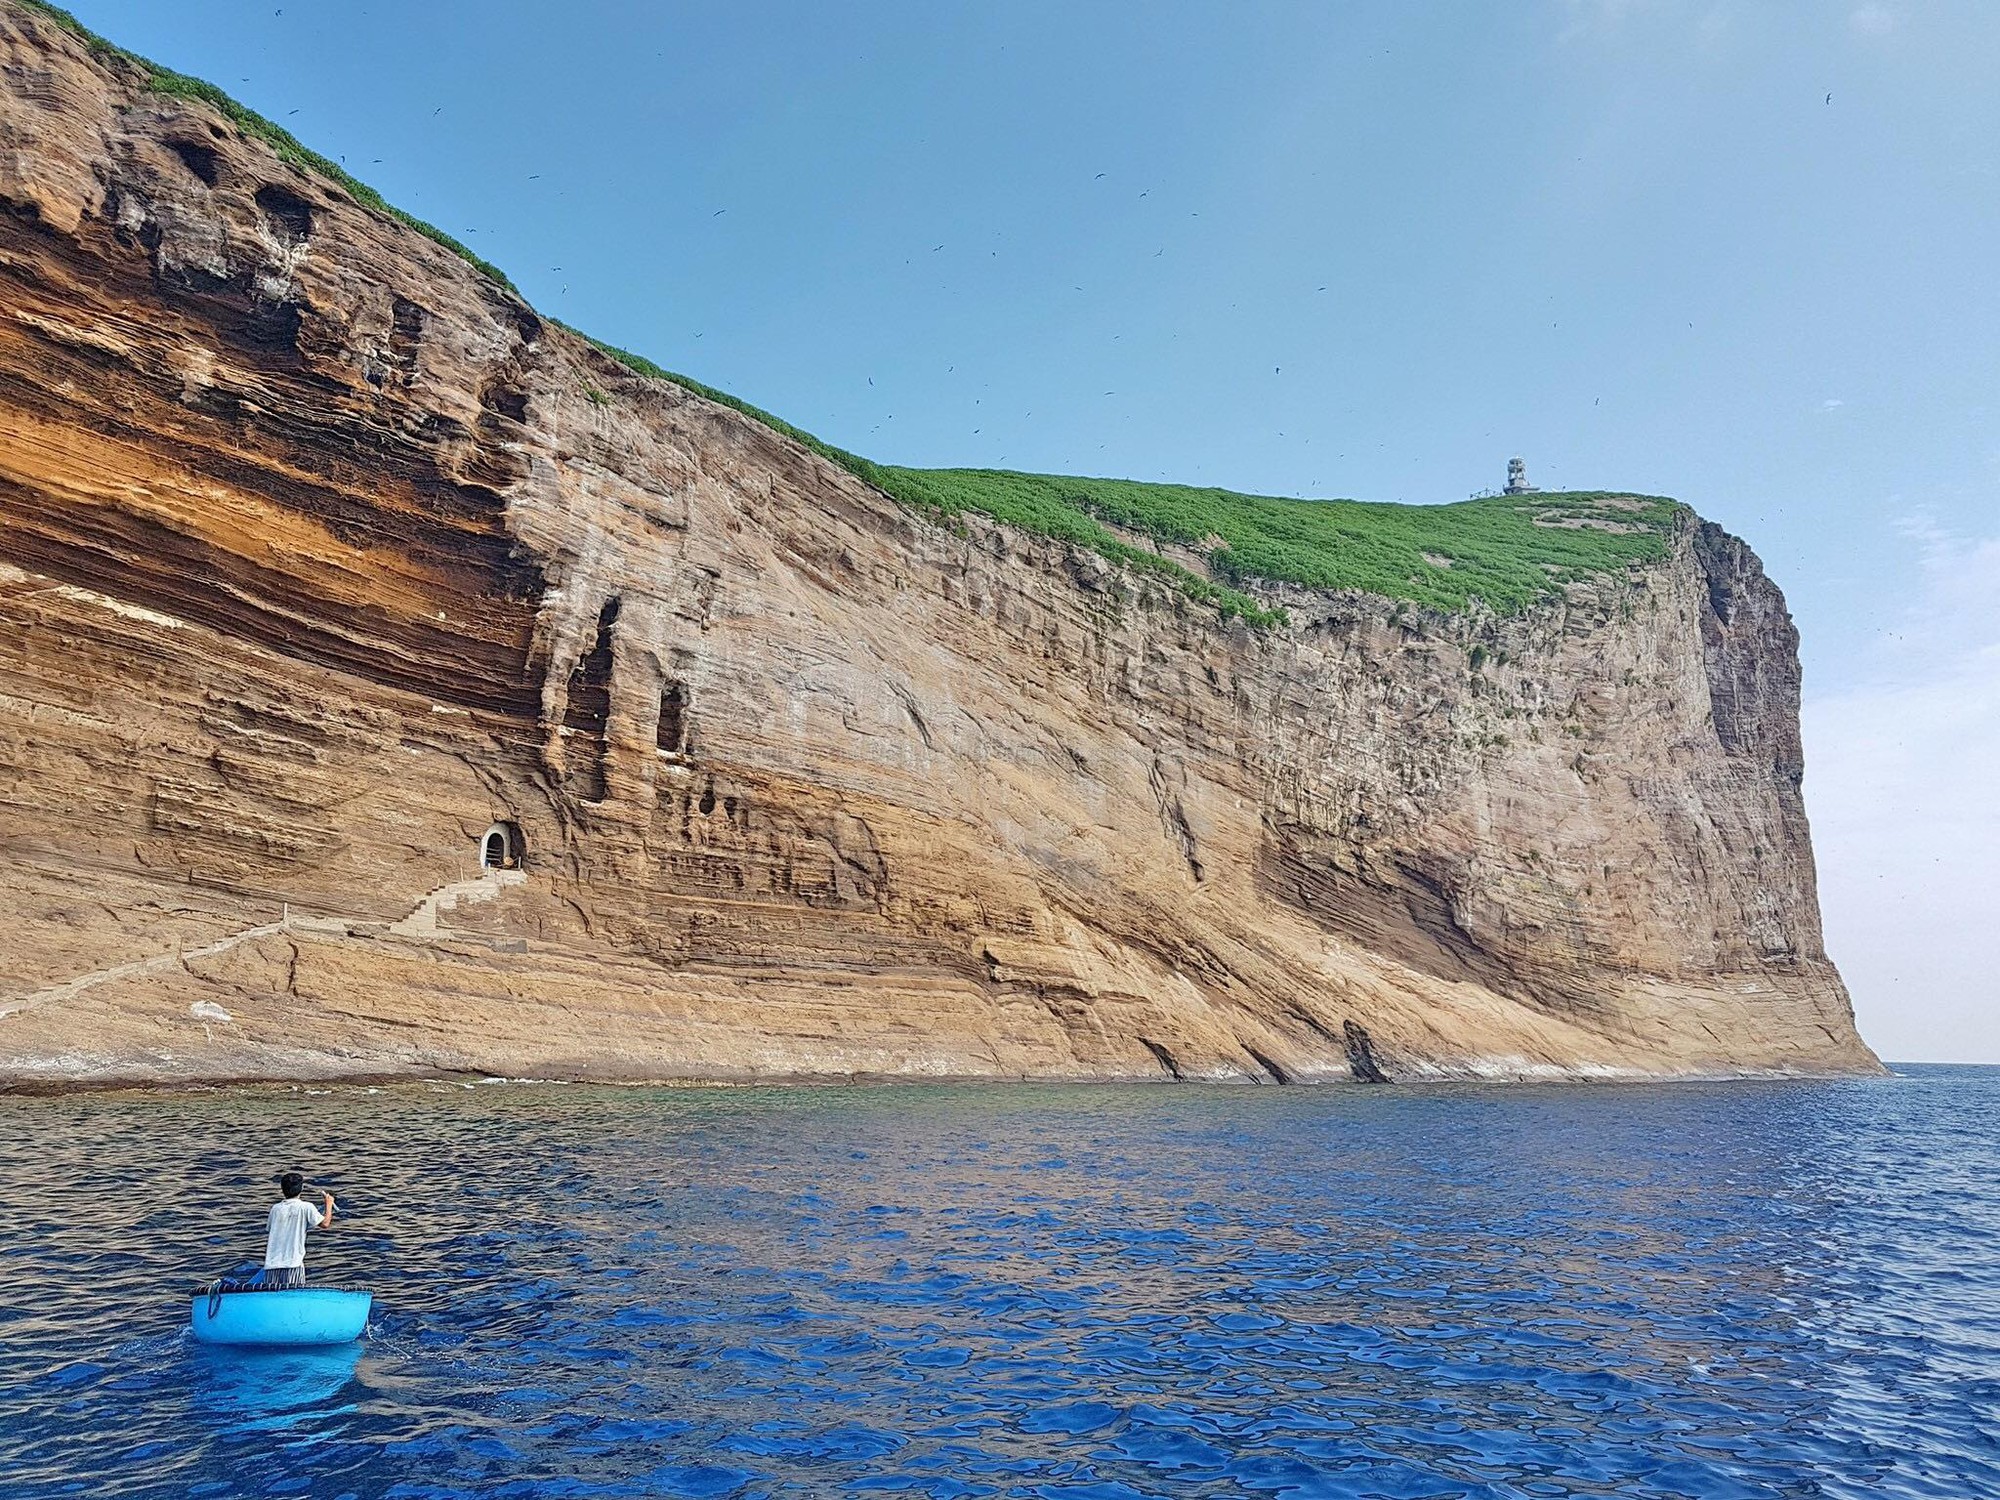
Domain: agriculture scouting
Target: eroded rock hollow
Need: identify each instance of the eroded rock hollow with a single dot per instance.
(392, 683)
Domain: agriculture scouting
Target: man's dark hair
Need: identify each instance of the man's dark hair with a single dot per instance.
(290, 1184)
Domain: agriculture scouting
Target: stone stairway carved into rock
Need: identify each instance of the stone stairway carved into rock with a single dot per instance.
(69, 989)
(421, 924)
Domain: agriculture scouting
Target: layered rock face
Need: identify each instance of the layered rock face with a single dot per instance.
(328, 570)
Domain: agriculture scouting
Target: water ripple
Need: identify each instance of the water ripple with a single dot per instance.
(1084, 1293)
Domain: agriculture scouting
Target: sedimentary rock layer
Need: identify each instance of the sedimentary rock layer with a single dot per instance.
(322, 558)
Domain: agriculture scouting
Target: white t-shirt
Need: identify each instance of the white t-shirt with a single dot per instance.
(290, 1219)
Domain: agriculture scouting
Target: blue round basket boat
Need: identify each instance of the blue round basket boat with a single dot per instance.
(293, 1318)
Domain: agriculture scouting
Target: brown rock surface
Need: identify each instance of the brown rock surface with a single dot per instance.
(320, 554)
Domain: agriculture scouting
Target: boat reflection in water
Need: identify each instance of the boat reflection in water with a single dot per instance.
(272, 1387)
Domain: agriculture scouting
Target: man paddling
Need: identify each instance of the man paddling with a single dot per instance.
(291, 1217)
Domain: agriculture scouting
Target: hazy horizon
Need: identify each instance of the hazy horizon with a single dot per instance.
(1739, 254)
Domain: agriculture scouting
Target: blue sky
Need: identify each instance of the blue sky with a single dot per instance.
(1743, 252)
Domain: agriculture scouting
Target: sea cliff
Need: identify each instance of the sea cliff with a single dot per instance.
(328, 568)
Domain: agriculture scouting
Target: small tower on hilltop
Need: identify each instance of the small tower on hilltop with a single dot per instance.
(1517, 478)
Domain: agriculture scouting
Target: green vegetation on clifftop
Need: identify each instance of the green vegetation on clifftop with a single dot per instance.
(1507, 550)
(1504, 550)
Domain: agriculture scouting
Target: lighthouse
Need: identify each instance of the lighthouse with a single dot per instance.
(1517, 477)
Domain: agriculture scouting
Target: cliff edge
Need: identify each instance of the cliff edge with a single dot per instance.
(392, 682)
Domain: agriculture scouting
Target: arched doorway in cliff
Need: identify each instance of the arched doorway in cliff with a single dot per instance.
(500, 847)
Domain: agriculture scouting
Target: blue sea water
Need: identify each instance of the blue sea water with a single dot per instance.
(1077, 1293)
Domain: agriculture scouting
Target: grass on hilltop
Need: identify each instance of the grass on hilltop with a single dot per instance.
(1504, 550)
(1507, 550)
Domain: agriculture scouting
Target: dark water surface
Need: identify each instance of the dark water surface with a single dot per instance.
(1090, 1293)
